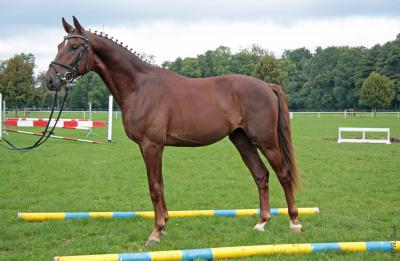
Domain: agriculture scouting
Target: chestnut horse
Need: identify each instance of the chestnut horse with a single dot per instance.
(162, 108)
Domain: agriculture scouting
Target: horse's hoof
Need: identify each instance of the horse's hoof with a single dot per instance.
(151, 242)
(260, 227)
(296, 228)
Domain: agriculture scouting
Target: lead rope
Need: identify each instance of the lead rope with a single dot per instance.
(45, 134)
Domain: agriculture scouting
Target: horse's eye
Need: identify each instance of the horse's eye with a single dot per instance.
(74, 47)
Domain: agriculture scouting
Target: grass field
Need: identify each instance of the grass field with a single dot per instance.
(356, 186)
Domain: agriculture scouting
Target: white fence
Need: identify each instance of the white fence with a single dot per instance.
(345, 114)
(363, 139)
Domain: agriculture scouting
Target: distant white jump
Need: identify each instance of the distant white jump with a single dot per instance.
(364, 139)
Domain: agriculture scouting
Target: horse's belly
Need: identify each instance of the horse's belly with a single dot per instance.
(199, 135)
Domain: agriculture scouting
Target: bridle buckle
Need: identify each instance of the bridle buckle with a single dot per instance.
(68, 77)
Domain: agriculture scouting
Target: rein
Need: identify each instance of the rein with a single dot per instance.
(67, 78)
(45, 134)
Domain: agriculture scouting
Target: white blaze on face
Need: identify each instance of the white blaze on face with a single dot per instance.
(65, 42)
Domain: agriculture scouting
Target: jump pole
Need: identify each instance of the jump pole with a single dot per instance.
(242, 251)
(110, 108)
(150, 214)
(53, 136)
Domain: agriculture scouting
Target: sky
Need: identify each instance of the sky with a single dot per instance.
(179, 28)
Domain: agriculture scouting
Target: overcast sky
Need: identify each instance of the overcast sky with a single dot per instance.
(171, 28)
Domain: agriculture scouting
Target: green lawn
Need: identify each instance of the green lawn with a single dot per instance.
(356, 187)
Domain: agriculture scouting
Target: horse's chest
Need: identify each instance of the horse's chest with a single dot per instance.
(133, 125)
(141, 124)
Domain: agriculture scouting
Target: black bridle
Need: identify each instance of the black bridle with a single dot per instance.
(68, 77)
(72, 68)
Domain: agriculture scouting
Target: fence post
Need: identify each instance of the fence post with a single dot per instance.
(1, 116)
(4, 110)
(110, 108)
(90, 111)
(90, 119)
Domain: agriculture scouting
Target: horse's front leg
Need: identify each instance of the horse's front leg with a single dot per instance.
(152, 155)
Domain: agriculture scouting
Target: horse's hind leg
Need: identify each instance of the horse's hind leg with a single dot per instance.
(272, 153)
(257, 168)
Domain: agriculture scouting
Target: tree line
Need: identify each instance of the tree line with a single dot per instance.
(332, 78)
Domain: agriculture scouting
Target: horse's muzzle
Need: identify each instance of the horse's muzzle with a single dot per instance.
(53, 82)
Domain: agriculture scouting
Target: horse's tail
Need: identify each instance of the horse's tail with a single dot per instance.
(285, 139)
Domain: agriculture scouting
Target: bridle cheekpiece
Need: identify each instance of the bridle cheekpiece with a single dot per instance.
(71, 74)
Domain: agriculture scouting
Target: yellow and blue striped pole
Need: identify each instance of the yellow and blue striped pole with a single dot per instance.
(241, 251)
(150, 214)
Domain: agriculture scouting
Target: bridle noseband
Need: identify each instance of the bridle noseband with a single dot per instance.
(71, 74)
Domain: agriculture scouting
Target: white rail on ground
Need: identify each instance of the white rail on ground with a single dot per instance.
(363, 139)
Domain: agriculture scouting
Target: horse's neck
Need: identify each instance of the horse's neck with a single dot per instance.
(117, 67)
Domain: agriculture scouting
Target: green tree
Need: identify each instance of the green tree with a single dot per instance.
(377, 91)
(388, 63)
(191, 67)
(345, 89)
(245, 60)
(206, 64)
(269, 70)
(220, 61)
(90, 88)
(317, 91)
(17, 81)
(298, 56)
(366, 65)
(295, 63)
(46, 96)
(175, 66)
(2, 65)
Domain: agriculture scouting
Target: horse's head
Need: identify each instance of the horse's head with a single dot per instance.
(73, 57)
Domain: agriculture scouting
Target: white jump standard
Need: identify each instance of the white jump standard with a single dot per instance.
(364, 139)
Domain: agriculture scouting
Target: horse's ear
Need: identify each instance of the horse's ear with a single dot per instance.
(78, 26)
(67, 27)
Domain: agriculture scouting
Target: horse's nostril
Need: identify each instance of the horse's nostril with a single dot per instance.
(50, 80)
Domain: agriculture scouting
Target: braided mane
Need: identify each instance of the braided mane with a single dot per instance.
(121, 44)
